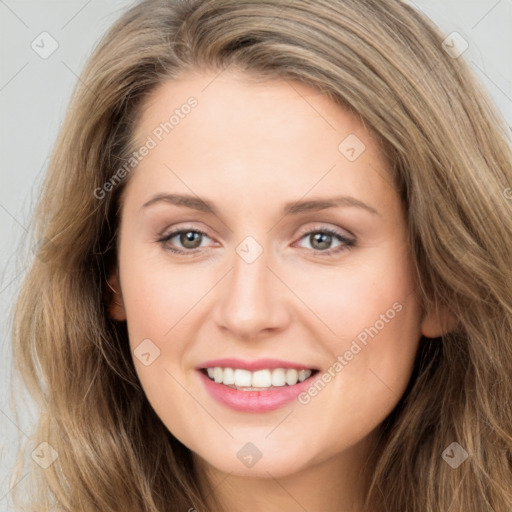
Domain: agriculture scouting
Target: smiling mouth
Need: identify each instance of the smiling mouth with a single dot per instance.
(260, 380)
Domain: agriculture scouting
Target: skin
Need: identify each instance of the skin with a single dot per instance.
(249, 148)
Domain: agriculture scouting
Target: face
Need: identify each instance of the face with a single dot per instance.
(257, 277)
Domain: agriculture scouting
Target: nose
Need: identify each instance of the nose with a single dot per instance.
(253, 300)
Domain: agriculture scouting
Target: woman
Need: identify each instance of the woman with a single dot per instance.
(368, 370)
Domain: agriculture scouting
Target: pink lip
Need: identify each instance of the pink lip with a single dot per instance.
(259, 364)
(254, 401)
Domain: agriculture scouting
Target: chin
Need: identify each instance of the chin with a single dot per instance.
(246, 461)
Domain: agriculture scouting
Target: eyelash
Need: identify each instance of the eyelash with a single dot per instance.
(348, 243)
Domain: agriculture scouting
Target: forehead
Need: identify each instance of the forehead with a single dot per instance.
(237, 104)
(243, 133)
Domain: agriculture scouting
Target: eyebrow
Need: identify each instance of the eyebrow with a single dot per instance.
(290, 208)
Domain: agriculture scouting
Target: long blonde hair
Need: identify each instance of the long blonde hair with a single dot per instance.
(450, 155)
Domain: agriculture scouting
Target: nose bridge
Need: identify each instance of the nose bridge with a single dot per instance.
(250, 301)
(249, 280)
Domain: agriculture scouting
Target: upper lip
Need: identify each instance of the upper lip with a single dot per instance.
(258, 364)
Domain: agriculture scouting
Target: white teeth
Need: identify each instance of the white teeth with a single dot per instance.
(262, 379)
(243, 378)
(303, 375)
(292, 376)
(217, 374)
(239, 378)
(228, 376)
(278, 377)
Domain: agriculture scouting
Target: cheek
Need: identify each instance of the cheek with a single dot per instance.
(371, 362)
(157, 294)
(373, 315)
(374, 289)
(158, 298)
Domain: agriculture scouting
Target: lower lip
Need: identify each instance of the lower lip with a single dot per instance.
(254, 401)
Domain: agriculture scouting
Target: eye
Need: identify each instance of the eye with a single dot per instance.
(190, 238)
(321, 239)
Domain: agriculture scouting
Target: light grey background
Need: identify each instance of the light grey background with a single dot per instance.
(34, 92)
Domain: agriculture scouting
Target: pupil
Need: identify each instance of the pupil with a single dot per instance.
(317, 237)
(188, 237)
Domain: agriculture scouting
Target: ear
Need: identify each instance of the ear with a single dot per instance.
(114, 297)
(438, 322)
